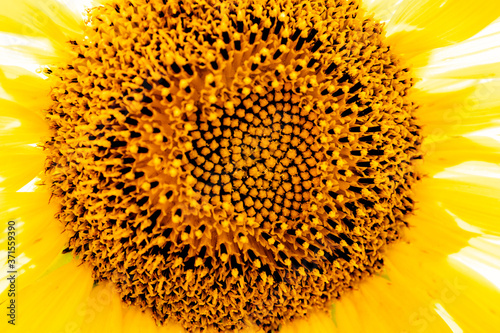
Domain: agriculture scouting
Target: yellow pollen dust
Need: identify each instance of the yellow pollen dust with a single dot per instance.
(227, 163)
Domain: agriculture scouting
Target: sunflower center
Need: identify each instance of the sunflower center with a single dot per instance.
(258, 160)
(232, 163)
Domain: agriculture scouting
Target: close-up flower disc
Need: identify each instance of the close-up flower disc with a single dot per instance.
(230, 163)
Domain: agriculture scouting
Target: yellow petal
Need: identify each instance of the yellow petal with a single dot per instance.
(382, 10)
(443, 154)
(467, 296)
(474, 204)
(53, 302)
(475, 58)
(104, 310)
(48, 19)
(24, 87)
(39, 236)
(315, 322)
(476, 304)
(421, 25)
(456, 112)
(19, 125)
(134, 320)
(19, 166)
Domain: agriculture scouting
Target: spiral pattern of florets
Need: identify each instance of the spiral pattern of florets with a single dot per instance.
(227, 163)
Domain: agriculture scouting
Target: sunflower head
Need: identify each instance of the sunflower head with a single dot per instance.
(232, 162)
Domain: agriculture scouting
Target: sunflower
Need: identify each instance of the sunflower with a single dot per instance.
(250, 166)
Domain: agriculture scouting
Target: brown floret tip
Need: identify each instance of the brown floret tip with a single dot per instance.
(228, 163)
